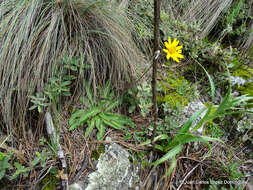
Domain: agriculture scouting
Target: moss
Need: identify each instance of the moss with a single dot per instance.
(174, 99)
(50, 181)
(244, 72)
(214, 130)
(246, 89)
(95, 154)
(175, 91)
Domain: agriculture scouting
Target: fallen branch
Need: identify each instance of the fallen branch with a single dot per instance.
(53, 136)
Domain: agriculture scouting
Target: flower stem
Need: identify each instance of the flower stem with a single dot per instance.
(155, 61)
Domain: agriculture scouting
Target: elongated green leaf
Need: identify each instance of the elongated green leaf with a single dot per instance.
(203, 120)
(169, 155)
(191, 138)
(91, 126)
(185, 128)
(115, 125)
(85, 101)
(112, 106)
(76, 116)
(210, 80)
(65, 83)
(88, 92)
(162, 137)
(33, 107)
(90, 113)
(80, 116)
(147, 142)
(112, 123)
(172, 166)
(101, 129)
(124, 120)
(107, 90)
(75, 124)
(159, 147)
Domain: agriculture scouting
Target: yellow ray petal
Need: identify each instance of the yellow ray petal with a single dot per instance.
(169, 40)
(175, 42)
(180, 56)
(167, 45)
(176, 59)
(165, 50)
(179, 47)
(168, 56)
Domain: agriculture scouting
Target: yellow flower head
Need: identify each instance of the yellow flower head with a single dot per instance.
(173, 51)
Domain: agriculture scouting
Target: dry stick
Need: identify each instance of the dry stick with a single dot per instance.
(52, 134)
(188, 175)
(155, 61)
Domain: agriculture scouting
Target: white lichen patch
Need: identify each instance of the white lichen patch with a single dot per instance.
(113, 170)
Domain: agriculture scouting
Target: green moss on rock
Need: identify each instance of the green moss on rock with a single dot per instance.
(244, 72)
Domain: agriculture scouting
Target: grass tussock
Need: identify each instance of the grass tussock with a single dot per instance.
(34, 36)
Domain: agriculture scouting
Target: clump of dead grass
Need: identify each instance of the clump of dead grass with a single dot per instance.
(35, 34)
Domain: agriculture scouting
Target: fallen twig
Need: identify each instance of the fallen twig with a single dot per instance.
(52, 134)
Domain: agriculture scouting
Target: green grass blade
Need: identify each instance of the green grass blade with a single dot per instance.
(210, 80)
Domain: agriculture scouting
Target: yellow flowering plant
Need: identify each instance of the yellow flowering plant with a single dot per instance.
(173, 50)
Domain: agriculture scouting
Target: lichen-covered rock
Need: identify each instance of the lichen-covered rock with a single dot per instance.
(114, 171)
(192, 108)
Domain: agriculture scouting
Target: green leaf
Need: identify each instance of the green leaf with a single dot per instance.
(172, 166)
(101, 128)
(169, 155)
(204, 119)
(210, 80)
(65, 83)
(91, 126)
(159, 147)
(35, 161)
(2, 174)
(85, 101)
(112, 106)
(107, 90)
(33, 107)
(191, 138)
(90, 113)
(186, 127)
(112, 123)
(76, 115)
(124, 120)
(80, 116)
(88, 92)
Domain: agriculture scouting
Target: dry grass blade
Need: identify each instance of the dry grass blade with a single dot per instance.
(34, 35)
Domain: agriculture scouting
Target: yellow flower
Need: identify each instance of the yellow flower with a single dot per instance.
(173, 51)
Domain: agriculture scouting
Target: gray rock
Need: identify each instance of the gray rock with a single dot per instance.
(77, 186)
(114, 171)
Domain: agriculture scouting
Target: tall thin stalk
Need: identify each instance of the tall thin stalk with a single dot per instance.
(157, 4)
